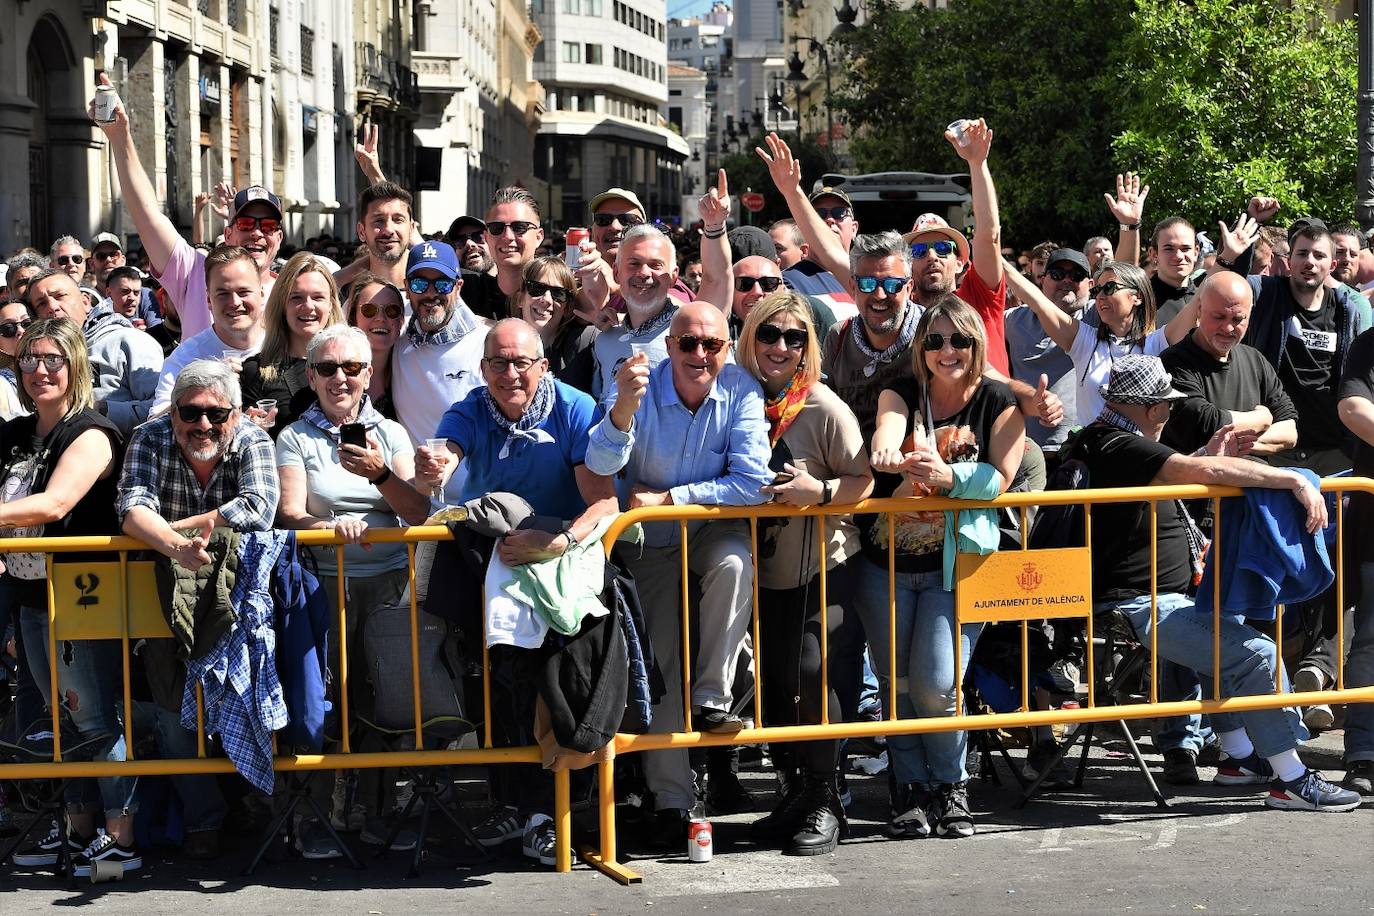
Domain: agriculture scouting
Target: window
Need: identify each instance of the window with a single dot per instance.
(273, 23)
(307, 51)
(570, 6)
(591, 7)
(572, 52)
(539, 53)
(592, 54)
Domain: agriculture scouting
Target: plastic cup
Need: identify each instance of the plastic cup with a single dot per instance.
(436, 493)
(960, 130)
(267, 405)
(637, 348)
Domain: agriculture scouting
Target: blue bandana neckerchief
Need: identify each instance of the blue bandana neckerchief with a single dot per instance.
(527, 427)
(367, 415)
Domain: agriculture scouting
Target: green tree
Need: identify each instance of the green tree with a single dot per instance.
(1237, 99)
(747, 171)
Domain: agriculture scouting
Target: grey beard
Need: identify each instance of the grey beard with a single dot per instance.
(429, 326)
(893, 322)
(386, 258)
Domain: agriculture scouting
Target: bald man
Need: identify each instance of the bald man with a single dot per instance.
(691, 430)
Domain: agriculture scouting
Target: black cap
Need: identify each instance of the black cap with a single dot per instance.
(461, 222)
(1072, 255)
(751, 240)
(1305, 222)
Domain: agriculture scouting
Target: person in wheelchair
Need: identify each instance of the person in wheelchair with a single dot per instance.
(1121, 448)
(344, 468)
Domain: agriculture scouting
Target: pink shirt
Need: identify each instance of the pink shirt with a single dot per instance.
(184, 281)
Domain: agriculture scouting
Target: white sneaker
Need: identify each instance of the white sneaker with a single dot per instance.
(540, 840)
(1309, 680)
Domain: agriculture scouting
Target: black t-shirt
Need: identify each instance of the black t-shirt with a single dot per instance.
(482, 293)
(1244, 381)
(1358, 382)
(1121, 531)
(289, 387)
(1170, 300)
(1310, 373)
(844, 364)
(963, 437)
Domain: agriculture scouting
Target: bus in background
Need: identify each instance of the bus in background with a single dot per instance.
(893, 200)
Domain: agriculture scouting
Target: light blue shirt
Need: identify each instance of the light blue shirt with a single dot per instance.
(716, 456)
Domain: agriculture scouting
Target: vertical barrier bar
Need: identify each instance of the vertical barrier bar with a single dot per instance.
(415, 652)
(892, 616)
(1278, 649)
(605, 782)
(343, 647)
(1216, 598)
(1025, 527)
(758, 610)
(1340, 590)
(562, 812)
(1092, 678)
(1154, 601)
(686, 636)
(124, 655)
(54, 659)
(824, 555)
(958, 632)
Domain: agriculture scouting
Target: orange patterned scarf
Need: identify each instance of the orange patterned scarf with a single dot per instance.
(783, 409)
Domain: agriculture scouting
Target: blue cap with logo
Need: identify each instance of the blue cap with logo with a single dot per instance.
(438, 256)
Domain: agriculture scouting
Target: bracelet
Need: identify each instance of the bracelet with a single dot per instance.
(382, 478)
(567, 533)
(827, 493)
(712, 233)
(1130, 226)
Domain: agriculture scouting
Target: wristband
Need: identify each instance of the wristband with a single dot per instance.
(827, 493)
(382, 477)
(567, 533)
(712, 233)
(1130, 226)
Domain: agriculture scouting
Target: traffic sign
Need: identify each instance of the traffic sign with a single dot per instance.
(752, 201)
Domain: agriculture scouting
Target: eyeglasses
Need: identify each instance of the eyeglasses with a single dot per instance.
(11, 329)
(268, 224)
(838, 214)
(891, 285)
(1058, 273)
(391, 310)
(936, 341)
(51, 361)
(519, 227)
(64, 259)
(688, 343)
(475, 237)
(499, 364)
(944, 248)
(351, 368)
(1110, 288)
(420, 285)
(769, 334)
(104, 255)
(191, 413)
(628, 220)
(535, 289)
(767, 284)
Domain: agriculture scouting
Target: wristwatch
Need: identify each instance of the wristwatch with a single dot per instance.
(827, 492)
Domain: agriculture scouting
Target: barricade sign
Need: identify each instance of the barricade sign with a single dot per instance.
(1016, 584)
(92, 591)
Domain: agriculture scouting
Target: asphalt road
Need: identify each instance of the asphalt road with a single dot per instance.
(1106, 848)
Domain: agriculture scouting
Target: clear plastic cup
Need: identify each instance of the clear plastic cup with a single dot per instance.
(960, 130)
(436, 493)
(267, 405)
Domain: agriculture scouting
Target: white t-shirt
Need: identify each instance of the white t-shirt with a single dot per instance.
(1096, 357)
(205, 345)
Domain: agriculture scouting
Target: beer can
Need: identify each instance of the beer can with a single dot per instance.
(573, 253)
(699, 844)
(1070, 727)
(105, 101)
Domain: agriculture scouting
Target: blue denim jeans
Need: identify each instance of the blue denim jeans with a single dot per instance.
(1248, 664)
(202, 803)
(90, 681)
(1359, 672)
(925, 668)
(1189, 732)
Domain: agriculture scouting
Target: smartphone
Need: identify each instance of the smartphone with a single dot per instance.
(353, 434)
(783, 477)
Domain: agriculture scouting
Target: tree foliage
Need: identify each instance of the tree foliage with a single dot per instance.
(747, 172)
(1212, 100)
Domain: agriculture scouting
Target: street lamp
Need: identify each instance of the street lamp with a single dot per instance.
(796, 73)
(846, 14)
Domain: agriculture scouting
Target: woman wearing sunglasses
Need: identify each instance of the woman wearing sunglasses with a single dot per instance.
(1125, 304)
(304, 301)
(818, 452)
(547, 299)
(61, 466)
(15, 317)
(950, 432)
(377, 308)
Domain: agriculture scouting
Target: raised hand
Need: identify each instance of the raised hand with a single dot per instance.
(117, 131)
(366, 153)
(1232, 242)
(979, 140)
(201, 201)
(1262, 209)
(223, 199)
(782, 167)
(1129, 204)
(714, 205)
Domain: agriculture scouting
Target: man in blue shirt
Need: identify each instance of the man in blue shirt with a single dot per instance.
(691, 430)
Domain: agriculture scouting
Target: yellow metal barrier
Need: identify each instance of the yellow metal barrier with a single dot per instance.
(129, 610)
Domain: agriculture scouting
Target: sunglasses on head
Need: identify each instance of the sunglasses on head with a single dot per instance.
(1075, 274)
(420, 285)
(535, 289)
(268, 224)
(625, 219)
(891, 285)
(688, 343)
(51, 361)
(769, 334)
(191, 413)
(327, 368)
(944, 248)
(519, 227)
(391, 310)
(13, 329)
(64, 259)
(1110, 288)
(838, 214)
(475, 237)
(767, 284)
(936, 341)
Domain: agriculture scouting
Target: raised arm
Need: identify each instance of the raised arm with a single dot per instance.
(987, 226)
(716, 273)
(1128, 208)
(366, 154)
(885, 452)
(825, 246)
(1058, 324)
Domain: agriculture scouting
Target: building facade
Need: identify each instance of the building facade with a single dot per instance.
(688, 113)
(704, 43)
(603, 65)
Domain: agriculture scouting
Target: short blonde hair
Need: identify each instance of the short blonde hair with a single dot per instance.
(965, 321)
(67, 336)
(778, 302)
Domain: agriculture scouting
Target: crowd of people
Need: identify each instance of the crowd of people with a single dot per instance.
(224, 394)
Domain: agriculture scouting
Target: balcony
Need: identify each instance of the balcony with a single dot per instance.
(437, 71)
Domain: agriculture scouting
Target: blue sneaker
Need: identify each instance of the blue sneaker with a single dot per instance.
(1247, 771)
(1310, 792)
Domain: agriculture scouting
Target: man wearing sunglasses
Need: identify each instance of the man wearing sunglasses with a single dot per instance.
(513, 233)
(126, 362)
(68, 256)
(468, 236)
(255, 224)
(695, 433)
(438, 360)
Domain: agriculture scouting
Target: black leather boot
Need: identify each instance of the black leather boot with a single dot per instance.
(822, 818)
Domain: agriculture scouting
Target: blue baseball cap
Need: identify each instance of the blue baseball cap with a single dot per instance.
(438, 256)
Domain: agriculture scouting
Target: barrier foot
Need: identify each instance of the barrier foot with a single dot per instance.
(614, 869)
